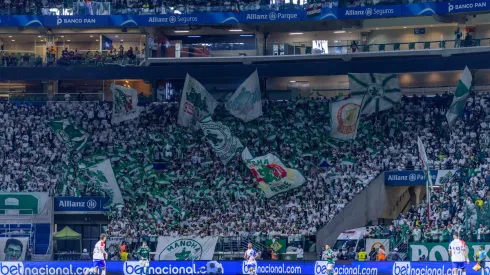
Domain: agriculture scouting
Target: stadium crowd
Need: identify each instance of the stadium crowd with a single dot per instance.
(192, 193)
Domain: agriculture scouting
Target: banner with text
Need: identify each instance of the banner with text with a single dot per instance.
(83, 204)
(416, 177)
(233, 268)
(439, 252)
(185, 248)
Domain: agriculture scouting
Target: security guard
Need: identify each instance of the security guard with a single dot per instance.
(361, 255)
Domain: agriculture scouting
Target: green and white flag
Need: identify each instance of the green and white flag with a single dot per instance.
(219, 136)
(74, 138)
(348, 162)
(345, 118)
(124, 103)
(273, 176)
(426, 168)
(246, 102)
(105, 176)
(195, 104)
(460, 97)
(380, 91)
(246, 155)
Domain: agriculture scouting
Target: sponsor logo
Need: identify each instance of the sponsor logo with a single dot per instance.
(134, 268)
(11, 268)
(369, 12)
(172, 19)
(412, 177)
(74, 21)
(182, 249)
(401, 268)
(272, 16)
(466, 6)
(91, 204)
(321, 267)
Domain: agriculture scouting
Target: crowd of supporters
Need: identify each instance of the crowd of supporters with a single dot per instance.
(193, 193)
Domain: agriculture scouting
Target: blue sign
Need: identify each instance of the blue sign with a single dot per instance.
(82, 204)
(124, 20)
(408, 178)
(76, 21)
(326, 14)
(222, 17)
(172, 19)
(462, 6)
(272, 16)
(234, 268)
(418, 9)
(369, 12)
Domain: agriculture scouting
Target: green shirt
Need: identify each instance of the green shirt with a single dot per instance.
(144, 252)
(328, 256)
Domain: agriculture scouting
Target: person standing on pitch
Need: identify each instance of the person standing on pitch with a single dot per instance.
(330, 258)
(99, 256)
(250, 256)
(144, 256)
(459, 254)
(480, 257)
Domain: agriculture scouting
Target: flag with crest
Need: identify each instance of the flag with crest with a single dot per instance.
(246, 102)
(124, 103)
(219, 136)
(379, 91)
(73, 138)
(460, 96)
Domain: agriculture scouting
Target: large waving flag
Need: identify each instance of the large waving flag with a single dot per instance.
(426, 168)
(219, 136)
(380, 91)
(345, 118)
(460, 97)
(246, 102)
(273, 177)
(103, 174)
(73, 138)
(124, 103)
(196, 103)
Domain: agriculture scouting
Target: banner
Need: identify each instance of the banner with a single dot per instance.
(83, 204)
(219, 136)
(463, 6)
(379, 91)
(13, 249)
(439, 252)
(272, 16)
(73, 138)
(196, 103)
(459, 100)
(236, 267)
(369, 12)
(246, 102)
(278, 245)
(172, 19)
(24, 203)
(345, 118)
(409, 178)
(124, 103)
(273, 177)
(185, 248)
(376, 244)
(105, 175)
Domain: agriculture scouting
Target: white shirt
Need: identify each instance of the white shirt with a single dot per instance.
(458, 250)
(251, 254)
(98, 255)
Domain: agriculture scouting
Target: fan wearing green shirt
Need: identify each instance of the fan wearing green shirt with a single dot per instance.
(144, 256)
(330, 258)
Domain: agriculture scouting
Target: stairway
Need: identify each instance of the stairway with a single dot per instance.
(42, 237)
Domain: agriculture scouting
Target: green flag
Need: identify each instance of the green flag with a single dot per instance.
(459, 101)
(74, 138)
(379, 91)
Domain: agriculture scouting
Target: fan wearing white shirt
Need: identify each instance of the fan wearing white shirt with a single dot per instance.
(459, 254)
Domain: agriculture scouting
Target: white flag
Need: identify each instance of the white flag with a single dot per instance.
(246, 102)
(124, 103)
(105, 176)
(273, 177)
(345, 118)
(380, 91)
(459, 100)
(195, 104)
(219, 136)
